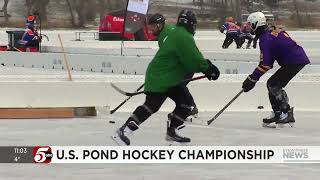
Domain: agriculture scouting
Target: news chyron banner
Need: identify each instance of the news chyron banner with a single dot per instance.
(136, 15)
(160, 154)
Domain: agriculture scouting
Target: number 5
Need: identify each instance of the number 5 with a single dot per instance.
(40, 155)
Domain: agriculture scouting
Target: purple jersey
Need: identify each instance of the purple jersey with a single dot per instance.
(277, 46)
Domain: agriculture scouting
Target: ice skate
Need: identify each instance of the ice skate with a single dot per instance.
(286, 119)
(268, 122)
(173, 138)
(194, 112)
(194, 117)
(121, 136)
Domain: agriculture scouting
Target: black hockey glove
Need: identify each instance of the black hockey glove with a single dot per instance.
(212, 72)
(248, 84)
(221, 30)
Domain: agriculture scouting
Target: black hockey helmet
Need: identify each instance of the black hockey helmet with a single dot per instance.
(156, 19)
(188, 20)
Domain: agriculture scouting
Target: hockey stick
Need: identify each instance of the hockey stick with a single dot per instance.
(130, 94)
(45, 36)
(116, 108)
(65, 59)
(225, 107)
(17, 49)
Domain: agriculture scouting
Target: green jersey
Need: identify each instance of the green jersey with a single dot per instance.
(177, 56)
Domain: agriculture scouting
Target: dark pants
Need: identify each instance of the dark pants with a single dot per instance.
(153, 102)
(277, 96)
(32, 44)
(189, 76)
(243, 40)
(230, 37)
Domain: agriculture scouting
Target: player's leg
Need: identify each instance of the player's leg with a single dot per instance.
(278, 97)
(177, 118)
(249, 37)
(194, 112)
(151, 105)
(227, 42)
(239, 41)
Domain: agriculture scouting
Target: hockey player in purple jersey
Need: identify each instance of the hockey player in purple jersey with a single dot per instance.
(275, 45)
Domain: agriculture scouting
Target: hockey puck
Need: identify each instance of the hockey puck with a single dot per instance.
(112, 122)
(260, 107)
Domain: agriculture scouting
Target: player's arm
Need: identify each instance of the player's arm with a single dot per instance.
(189, 55)
(224, 27)
(266, 62)
(192, 59)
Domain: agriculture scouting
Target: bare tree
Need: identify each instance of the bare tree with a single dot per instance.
(71, 13)
(102, 8)
(84, 11)
(5, 12)
(296, 8)
(78, 7)
(238, 10)
(39, 6)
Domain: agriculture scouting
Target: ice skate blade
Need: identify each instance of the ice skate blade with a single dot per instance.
(192, 118)
(195, 121)
(195, 115)
(268, 125)
(117, 140)
(175, 143)
(281, 125)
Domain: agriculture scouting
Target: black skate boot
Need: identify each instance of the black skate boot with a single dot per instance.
(274, 117)
(193, 115)
(194, 112)
(288, 119)
(173, 137)
(121, 136)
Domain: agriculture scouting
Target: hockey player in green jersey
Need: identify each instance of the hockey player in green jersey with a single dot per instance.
(177, 56)
(154, 22)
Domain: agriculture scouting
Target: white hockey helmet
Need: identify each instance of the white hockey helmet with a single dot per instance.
(256, 20)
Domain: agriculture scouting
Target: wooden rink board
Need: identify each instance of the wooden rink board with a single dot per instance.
(39, 113)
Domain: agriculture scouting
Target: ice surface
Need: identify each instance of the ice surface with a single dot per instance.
(231, 128)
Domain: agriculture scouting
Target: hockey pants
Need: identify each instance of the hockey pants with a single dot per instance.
(277, 96)
(179, 94)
